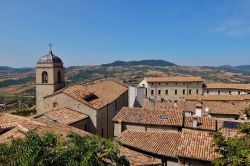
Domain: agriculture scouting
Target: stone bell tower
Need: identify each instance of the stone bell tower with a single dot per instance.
(49, 78)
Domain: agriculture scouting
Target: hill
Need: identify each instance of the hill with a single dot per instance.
(142, 62)
(21, 80)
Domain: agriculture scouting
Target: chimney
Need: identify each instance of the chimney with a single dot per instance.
(195, 123)
(198, 109)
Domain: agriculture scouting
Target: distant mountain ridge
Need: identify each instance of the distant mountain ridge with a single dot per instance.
(6, 69)
(141, 62)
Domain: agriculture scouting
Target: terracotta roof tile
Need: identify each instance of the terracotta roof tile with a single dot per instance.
(24, 124)
(138, 159)
(100, 92)
(173, 79)
(217, 107)
(204, 123)
(196, 145)
(216, 98)
(147, 116)
(161, 143)
(65, 115)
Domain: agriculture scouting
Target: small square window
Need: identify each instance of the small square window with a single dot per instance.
(190, 91)
(159, 92)
(166, 92)
(197, 91)
(184, 91)
(176, 91)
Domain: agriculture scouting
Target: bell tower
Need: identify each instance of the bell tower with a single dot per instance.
(49, 78)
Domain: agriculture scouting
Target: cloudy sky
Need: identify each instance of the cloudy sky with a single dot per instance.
(185, 32)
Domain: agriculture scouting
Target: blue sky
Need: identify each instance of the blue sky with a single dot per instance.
(87, 32)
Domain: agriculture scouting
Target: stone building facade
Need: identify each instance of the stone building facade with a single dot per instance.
(226, 89)
(171, 88)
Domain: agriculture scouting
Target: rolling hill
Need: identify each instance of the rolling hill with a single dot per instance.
(21, 80)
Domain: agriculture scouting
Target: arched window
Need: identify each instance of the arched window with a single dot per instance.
(44, 77)
(59, 76)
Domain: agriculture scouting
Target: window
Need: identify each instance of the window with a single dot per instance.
(55, 104)
(166, 92)
(159, 83)
(207, 91)
(230, 92)
(197, 83)
(238, 92)
(218, 92)
(175, 83)
(183, 91)
(152, 92)
(152, 83)
(159, 92)
(197, 91)
(59, 76)
(190, 91)
(90, 97)
(44, 77)
(183, 83)
(176, 91)
(166, 83)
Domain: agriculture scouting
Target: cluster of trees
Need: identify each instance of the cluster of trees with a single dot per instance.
(233, 151)
(53, 150)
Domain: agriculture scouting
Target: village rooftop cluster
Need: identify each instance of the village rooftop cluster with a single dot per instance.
(162, 121)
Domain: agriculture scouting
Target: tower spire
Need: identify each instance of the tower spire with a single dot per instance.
(50, 46)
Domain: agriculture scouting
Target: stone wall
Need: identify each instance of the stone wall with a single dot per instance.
(105, 125)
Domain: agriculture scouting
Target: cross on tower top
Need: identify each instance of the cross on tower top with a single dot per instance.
(50, 46)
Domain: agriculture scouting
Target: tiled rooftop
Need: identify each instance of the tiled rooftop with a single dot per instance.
(65, 115)
(148, 116)
(204, 123)
(217, 107)
(161, 143)
(96, 94)
(174, 79)
(216, 98)
(138, 159)
(20, 125)
(196, 145)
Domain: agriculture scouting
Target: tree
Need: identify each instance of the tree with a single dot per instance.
(50, 149)
(233, 151)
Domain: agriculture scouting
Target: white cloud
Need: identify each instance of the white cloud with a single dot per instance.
(233, 26)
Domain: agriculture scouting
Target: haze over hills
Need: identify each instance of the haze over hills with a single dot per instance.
(21, 80)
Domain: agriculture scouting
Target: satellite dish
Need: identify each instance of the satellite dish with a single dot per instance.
(206, 109)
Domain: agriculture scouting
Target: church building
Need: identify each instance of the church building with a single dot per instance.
(97, 102)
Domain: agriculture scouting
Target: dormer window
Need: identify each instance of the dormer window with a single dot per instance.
(44, 77)
(90, 97)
